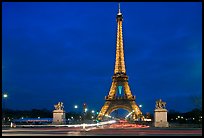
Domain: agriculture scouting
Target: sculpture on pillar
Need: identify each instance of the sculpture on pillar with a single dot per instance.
(59, 114)
(160, 104)
(59, 106)
(160, 114)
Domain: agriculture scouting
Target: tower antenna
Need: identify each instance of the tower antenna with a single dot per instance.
(119, 8)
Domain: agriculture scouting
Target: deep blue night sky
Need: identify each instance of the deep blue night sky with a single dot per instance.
(65, 52)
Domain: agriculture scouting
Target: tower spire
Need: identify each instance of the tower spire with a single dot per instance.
(119, 61)
(119, 8)
(119, 13)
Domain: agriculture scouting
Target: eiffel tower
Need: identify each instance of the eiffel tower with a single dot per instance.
(115, 100)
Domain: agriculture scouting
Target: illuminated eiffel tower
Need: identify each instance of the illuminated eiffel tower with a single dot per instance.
(115, 100)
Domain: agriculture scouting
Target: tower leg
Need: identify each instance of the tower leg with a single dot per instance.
(104, 110)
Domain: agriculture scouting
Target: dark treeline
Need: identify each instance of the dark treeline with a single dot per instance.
(34, 113)
(193, 116)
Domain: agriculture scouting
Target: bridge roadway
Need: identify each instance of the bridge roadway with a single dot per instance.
(105, 131)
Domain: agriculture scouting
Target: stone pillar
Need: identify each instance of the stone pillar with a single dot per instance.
(160, 118)
(59, 117)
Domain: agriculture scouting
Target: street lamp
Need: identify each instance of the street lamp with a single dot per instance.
(140, 105)
(5, 96)
(76, 112)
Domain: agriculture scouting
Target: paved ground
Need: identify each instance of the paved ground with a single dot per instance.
(93, 131)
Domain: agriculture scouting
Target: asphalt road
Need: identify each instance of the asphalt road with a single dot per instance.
(93, 131)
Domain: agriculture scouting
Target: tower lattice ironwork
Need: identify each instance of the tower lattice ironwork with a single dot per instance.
(115, 99)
